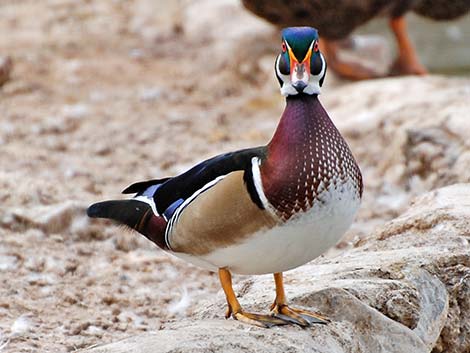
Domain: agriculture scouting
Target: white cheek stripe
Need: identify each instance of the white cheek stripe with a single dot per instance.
(255, 162)
(286, 88)
(177, 213)
(314, 82)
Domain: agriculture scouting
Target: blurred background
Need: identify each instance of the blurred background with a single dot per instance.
(442, 46)
(97, 94)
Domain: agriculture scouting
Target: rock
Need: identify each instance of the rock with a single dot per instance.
(51, 219)
(68, 216)
(21, 326)
(75, 111)
(405, 143)
(244, 36)
(154, 20)
(425, 134)
(126, 242)
(6, 66)
(405, 288)
(8, 262)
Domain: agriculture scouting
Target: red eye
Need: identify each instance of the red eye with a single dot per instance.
(315, 46)
(284, 47)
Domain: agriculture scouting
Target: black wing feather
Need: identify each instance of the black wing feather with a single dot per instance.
(141, 186)
(186, 184)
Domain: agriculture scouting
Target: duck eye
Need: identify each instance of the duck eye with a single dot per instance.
(315, 46)
(284, 47)
(283, 65)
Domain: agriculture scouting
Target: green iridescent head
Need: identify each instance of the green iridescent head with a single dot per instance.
(300, 68)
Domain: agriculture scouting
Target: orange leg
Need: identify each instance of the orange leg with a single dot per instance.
(407, 62)
(347, 70)
(297, 316)
(235, 310)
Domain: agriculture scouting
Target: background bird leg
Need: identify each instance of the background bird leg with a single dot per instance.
(344, 69)
(407, 62)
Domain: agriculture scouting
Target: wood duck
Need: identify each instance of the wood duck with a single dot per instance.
(335, 20)
(260, 210)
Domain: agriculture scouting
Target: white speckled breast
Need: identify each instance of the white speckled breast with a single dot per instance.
(306, 156)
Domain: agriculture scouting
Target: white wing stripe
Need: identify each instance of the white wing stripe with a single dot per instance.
(255, 162)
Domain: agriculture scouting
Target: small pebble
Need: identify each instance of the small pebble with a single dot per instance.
(6, 66)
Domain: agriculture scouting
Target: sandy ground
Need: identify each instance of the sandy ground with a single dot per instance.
(94, 104)
(105, 93)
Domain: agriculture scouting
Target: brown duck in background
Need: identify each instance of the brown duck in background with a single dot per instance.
(335, 20)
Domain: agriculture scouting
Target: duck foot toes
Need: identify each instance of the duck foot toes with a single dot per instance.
(315, 319)
(259, 320)
(293, 320)
(300, 317)
(404, 68)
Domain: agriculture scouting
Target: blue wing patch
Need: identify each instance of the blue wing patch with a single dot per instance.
(172, 208)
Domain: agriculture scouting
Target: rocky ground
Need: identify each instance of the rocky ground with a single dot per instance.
(404, 289)
(104, 93)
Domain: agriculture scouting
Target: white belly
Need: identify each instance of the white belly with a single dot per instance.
(300, 240)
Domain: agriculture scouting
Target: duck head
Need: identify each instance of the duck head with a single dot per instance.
(300, 67)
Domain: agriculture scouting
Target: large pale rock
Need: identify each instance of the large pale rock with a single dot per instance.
(425, 134)
(405, 288)
(66, 217)
(409, 135)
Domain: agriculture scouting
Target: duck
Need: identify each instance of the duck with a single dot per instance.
(336, 20)
(260, 210)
